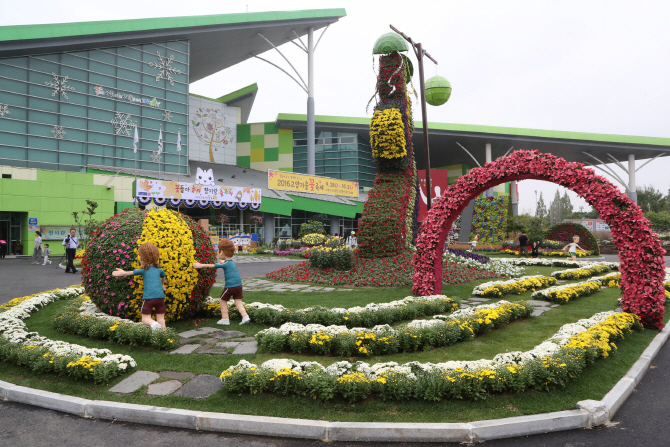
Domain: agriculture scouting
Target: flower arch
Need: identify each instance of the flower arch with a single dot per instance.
(642, 263)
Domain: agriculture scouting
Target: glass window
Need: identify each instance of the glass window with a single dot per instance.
(12, 85)
(74, 60)
(11, 139)
(42, 104)
(13, 72)
(14, 153)
(16, 61)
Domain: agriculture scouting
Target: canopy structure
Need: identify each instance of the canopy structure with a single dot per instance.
(217, 41)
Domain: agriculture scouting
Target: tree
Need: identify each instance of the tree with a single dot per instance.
(566, 206)
(556, 209)
(659, 221)
(85, 223)
(650, 199)
(541, 209)
(312, 226)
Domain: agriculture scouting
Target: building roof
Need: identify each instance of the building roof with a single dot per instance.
(273, 200)
(217, 41)
(445, 136)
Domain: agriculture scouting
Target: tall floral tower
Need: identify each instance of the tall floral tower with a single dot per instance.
(388, 225)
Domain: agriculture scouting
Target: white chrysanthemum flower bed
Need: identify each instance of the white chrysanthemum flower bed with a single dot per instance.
(494, 265)
(544, 294)
(478, 290)
(518, 358)
(460, 314)
(13, 329)
(557, 263)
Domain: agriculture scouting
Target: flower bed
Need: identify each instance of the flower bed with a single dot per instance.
(375, 272)
(302, 252)
(547, 253)
(513, 286)
(563, 294)
(582, 272)
(468, 255)
(82, 317)
(556, 263)
(473, 261)
(565, 231)
(610, 280)
(382, 313)
(44, 355)
(383, 339)
(552, 363)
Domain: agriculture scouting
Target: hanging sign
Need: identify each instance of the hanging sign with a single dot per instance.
(55, 232)
(289, 181)
(162, 189)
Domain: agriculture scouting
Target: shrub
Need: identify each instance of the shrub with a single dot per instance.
(313, 239)
(340, 258)
(312, 226)
(564, 232)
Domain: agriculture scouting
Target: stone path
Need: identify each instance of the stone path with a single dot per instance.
(261, 285)
(209, 340)
(184, 384)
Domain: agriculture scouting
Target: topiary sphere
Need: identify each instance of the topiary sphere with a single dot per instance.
(115, 244)
(438, 91)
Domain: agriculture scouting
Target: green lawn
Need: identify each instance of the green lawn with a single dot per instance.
(522, 335)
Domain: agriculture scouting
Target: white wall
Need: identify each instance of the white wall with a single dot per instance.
(220, 119)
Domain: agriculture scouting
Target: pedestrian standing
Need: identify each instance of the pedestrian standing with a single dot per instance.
(233, 286)
(37, 253)
(153, 295)
(523, 244)
(71, 243)
(47, 253)
(352, 242)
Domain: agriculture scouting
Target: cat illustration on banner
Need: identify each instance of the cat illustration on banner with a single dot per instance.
(205, 178)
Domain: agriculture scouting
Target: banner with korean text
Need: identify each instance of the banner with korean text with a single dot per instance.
(289, 181)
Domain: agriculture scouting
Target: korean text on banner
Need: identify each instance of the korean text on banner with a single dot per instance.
(163, 189)
(288, 181)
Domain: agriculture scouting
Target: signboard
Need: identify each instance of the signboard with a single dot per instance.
(32, 221)
(601, 225)
(162, 189)
(439, 182)
(289, 181)
(55, 232)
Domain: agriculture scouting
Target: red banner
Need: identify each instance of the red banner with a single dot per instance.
(439, 182)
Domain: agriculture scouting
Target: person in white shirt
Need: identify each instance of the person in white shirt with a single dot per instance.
(47, 253)
(352, 242)
(37, 254)
(71, 243)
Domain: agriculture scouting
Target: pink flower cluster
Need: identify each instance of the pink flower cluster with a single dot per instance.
(642, 263)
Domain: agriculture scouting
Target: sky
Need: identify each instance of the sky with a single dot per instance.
(596, 66)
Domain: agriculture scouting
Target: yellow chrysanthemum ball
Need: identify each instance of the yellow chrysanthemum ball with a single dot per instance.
(115, 244)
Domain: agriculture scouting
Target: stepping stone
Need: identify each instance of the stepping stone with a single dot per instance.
(208, 340)
(134, 382)
(296, 286)
(479, 299)
(177, 375)
(184, 341)
(539, 311)
(555, 305)
(228, 334)
(247, 347)
(205, 349)
(464, 306)
(227, 344)
(618, 309)
(345, 290)
(199, 331)
(186, 349)
(327, 289)
(200, 387)
(537, 303)
(245, 339)
(164, 388)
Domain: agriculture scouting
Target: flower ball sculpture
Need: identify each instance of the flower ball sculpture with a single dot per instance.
(115, 244)
(565, 231)
(642, 263)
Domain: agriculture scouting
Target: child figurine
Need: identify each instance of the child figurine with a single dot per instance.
(535, 250)
(47, 253)
(572, 248)
(473, 243)
(154, 285)
(233, 282)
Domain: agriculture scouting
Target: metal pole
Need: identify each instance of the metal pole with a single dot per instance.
(489, 192)
(424, 115)
(632, 187)
(311, 131)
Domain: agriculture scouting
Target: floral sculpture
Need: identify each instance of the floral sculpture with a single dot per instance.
(388, 225)
(489, 219)
(565, 231)
(114, 244)
(642, 263)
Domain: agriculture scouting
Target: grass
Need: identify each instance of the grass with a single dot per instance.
(594, 383)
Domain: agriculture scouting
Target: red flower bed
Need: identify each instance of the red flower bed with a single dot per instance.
(565, 231)
(374, 272)
(642, 263)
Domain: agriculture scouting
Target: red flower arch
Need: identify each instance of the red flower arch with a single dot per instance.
(642, 263)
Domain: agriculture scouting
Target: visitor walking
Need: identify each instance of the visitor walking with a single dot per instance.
(572, 248)
(233, 286)
(153, 297)
(37, 253)
(47, 253)
(352, 242)
(3, 248)
(71, 243)
(523, 244)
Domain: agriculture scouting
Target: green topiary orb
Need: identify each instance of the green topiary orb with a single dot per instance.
(388, 43)
(438, 91)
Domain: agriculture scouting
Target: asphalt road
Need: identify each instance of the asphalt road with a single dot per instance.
(643, 420)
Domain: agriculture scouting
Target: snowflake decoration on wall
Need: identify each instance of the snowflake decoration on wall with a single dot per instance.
(165, 71)
(155, 157)
(58, 132)
(122, 124)
(4, 110)
(167, 116)
(59, 85)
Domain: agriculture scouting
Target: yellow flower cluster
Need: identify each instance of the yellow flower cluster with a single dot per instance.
(565, 294)
(518, 287)
(598, 336)
(174, 239)
(354, 377)
(581, 273)
(85, 362)
(313, 239)
(387, 134)
(285, 373)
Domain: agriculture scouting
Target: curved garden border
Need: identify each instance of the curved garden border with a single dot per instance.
(642, 263)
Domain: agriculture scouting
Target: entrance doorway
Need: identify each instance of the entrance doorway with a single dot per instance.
(10, 231)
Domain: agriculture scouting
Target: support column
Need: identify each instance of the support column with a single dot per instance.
(489, 192)
(311, 151)
(514, 195)
(241, 221)
(466, 223)
(632, 187)
(334, 225)
(268, 227)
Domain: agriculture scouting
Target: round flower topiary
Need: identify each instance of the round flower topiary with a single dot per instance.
(565, 231)
(115, 244)
(313, 239)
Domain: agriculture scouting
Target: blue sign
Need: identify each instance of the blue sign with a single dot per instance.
(32, 221)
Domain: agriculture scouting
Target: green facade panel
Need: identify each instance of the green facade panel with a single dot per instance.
(322, 206)
(276, 206)
(243, 133)
(244, 161)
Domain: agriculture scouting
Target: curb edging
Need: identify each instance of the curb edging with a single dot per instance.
(589, 414)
